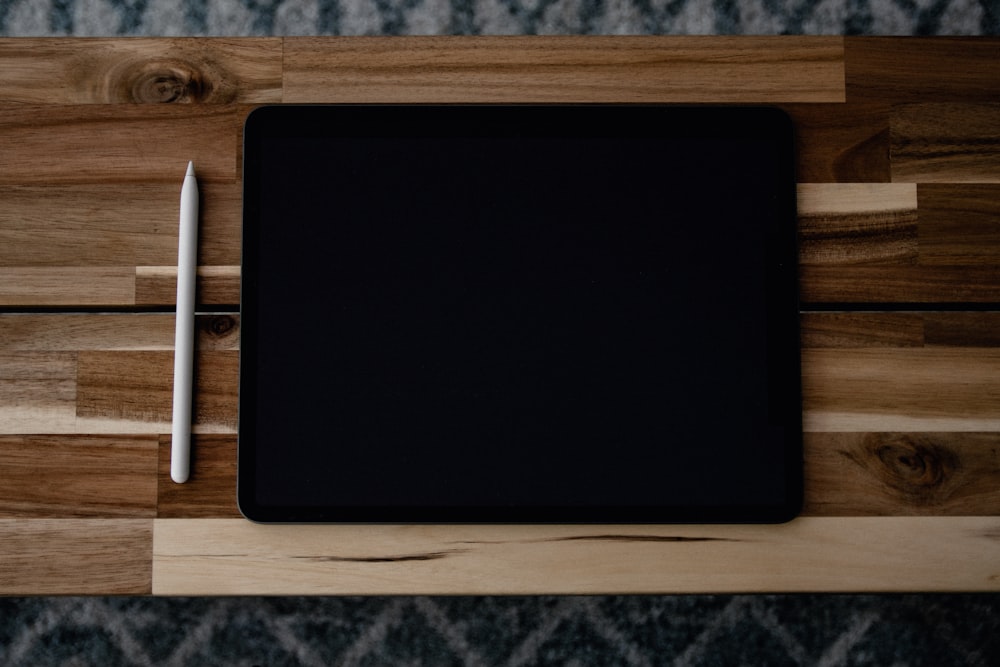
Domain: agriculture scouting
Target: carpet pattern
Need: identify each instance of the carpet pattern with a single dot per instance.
(890, 630)
(496, 17)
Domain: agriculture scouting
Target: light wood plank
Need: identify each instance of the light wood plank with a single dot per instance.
(901, 389)
(857, 223)
(234, 556)
(564, 69)
(873, 474)
(941, 143)
(138, 70)
(49, 476)
(59, 144)
(75, 556)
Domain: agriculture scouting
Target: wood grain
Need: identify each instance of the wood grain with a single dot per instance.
(945, 143)
(78, 476)
(76, 556)
(878, 474)
(132, 391)
(907, 69)
(857, 223)
(151, 71)
(564, 69)
(899, 205)
(901, 389)
(958, 224)
(841, 143)
(236, 557)
(110, 373)
(211, 489)
(121, 143)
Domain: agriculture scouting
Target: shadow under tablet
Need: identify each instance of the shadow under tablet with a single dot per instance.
(519, 314)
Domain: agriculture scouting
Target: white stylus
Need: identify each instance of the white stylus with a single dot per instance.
(187, 264)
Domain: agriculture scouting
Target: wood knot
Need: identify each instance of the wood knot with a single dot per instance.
(164, 82)
(915, 467)
(218, 332)
(220, 326)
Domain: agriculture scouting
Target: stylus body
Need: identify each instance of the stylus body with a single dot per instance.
(187, 261)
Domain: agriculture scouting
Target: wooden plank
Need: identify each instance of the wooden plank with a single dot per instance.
(940, 143)
(211, 489)
(857, 223)
(106, 71)
(902, 283)
(878, 474)
(50, 476)
(124, 382)
(907, 69)
(234, 556)
(76, 556)
(61, 144)
(959, 224)
(901, 389)
(104, 224)
(853, 329)
(841, 143)
(564, 69)
(37, 392)
(132, 391)
(66, 286)
(214, 285)
(900, 329)
(962, 329)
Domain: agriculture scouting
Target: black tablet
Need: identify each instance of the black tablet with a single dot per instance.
(519, 314)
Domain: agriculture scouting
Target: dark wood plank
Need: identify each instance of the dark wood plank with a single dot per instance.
(152, 71)
(907, 69)
(908, 283)
(853, 329)
(77, 476)
(211, 489)
(76, 556)
(962, 329)
(841, 143)
(959, 224)
(883, 474)
(941, 143)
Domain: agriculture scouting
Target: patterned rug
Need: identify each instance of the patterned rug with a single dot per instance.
(496, 17)
(889, 631)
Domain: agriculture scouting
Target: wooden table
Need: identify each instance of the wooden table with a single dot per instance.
(899, 166)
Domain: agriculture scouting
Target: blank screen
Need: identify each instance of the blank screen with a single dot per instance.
(517, 320)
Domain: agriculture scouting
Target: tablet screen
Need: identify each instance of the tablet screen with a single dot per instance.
(519, 314)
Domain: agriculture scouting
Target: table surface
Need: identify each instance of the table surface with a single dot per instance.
(899, 215)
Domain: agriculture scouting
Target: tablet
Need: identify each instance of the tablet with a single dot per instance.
(519, 314)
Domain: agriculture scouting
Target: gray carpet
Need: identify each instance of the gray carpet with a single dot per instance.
(493, 17)
(888, 630)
